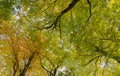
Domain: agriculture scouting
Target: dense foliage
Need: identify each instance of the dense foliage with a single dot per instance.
(59, 38)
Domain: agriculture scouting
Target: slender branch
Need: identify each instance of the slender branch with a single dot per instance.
(43, 65)
(111, 39)
(91, 60)
(88, 1)
(107, 54)
(50, 61)
(60, 30)
(16, 62)
(45, 68)
(58, 65)
(14, 69)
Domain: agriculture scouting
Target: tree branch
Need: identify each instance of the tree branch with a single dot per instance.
(91, 60)
(27, 65)
(50, 62)
(55, 23)
(107, 54)
(88, 1)
(74, 2)
(58, 65)
(111, 39)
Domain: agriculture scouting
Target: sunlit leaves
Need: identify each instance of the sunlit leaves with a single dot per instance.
(74, 46)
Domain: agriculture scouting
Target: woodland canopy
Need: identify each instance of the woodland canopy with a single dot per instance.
(59, 37)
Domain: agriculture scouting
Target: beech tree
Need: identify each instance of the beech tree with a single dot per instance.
(59, 37)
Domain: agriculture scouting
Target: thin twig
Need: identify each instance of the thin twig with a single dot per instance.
(91, 60)
(88, 1)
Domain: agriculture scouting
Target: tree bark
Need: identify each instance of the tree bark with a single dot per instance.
(27, 65)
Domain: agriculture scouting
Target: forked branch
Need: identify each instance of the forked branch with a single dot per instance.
(56, 21)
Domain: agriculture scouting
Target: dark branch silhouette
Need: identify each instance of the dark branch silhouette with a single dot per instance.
(56, 21)
(54, 69)
(27, 65)
(107, 54)
(74, 2)
(88, 1)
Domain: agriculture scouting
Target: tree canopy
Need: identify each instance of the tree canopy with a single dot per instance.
(59, 38)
